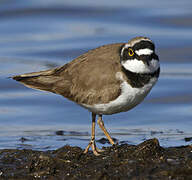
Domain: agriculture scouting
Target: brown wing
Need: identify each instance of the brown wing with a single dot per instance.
(88, 79)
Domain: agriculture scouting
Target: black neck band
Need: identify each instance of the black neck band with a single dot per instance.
(138, 80)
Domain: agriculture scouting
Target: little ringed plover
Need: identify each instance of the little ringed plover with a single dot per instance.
(109, 79)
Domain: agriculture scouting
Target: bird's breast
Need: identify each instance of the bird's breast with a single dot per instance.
(129, 98)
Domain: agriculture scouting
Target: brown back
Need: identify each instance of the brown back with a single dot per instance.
(88, 79)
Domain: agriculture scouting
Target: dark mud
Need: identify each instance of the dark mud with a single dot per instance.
(147, 160)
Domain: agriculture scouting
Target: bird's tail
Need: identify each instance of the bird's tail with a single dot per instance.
(42, 80)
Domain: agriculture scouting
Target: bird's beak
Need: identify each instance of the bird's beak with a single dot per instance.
(154, 56)
(145, 59)
(145, 62)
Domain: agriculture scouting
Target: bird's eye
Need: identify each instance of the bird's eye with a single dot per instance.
(130, 52)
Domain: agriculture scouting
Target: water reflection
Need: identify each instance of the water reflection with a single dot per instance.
(37, 35)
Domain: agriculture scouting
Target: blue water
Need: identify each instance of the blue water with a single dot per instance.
(40, 34)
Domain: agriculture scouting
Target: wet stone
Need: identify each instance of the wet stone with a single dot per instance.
(147, 160)
(59, 133)
(104, 140)
(22, 139)
(187, 139)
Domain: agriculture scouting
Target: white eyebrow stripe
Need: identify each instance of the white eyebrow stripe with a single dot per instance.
(144, 52)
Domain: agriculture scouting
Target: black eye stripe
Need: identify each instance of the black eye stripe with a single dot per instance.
(125, 54)
(124, 51)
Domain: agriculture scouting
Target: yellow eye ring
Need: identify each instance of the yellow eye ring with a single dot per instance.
(130, 52)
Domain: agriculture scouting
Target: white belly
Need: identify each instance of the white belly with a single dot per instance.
(128, 99)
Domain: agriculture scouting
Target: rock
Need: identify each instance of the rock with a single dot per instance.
(147, 160)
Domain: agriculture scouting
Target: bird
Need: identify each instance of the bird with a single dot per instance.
(110, 79)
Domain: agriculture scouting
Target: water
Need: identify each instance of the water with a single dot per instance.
(41, 34)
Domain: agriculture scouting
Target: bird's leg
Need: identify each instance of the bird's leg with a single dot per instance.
(101, 125)
(92, 141)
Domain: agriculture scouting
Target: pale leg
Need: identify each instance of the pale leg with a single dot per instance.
(101, 125)
(92, 141)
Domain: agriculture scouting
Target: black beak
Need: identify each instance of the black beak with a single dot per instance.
(146, 62)
(154, 56)
(147, 58)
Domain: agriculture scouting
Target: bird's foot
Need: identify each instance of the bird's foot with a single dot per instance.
(96, 150)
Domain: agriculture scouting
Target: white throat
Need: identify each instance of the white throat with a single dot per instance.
(137, 66)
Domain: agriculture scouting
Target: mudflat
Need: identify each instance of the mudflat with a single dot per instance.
(147, 160)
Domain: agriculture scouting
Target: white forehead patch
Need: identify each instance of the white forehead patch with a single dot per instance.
(137, 66)
(144, 52)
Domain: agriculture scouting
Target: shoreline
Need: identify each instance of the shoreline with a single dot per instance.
(147, 160)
